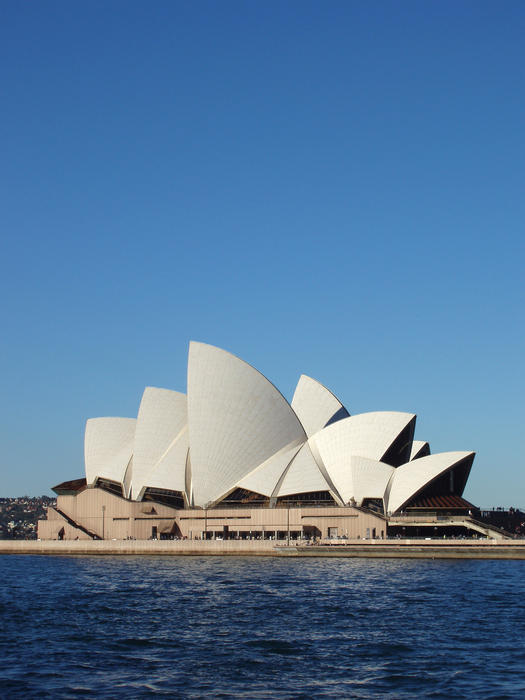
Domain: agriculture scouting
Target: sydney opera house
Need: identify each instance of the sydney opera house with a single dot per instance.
(232, 458)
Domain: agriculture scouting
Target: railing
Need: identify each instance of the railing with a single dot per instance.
(489, 526)
(430, 516)
(407, 518)
(418, 516)
(373, 510)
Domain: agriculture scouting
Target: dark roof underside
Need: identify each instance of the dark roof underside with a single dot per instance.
(449, 500)
(69, 487)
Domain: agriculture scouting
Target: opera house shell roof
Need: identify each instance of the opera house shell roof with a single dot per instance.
(234, 437)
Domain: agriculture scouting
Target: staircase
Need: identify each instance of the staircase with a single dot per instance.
(467, 521)
(71, 522)
(496, 533)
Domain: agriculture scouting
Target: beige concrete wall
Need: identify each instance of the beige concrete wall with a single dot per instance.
(111, 517)
(53, 515)
(57, 527)
(349, 522)
(48, 529)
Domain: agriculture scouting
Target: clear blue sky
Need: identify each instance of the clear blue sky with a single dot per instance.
(333, 189)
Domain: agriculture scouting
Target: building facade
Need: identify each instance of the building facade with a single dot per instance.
(232, 458)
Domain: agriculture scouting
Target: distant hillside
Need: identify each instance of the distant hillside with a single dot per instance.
(19, 516)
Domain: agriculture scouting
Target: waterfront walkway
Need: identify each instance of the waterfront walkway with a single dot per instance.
(405, 548)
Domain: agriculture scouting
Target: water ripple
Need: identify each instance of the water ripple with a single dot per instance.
(244, 627)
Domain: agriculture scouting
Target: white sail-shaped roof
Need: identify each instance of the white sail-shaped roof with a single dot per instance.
(162, 415)
(361, 478)
(235, 430)
(420, 448)
(108, 446)
(369, 435)
(170, 471)
(303, 475)
(237, 420)
(369, 479)
(315, 405)
(128, 476)
(412, 477)
(264, 478)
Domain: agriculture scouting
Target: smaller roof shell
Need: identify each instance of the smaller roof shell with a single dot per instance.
(369, 435)
(303, 475)
(108, 446)
(170, 471)
(420, 448)
(161, 417)
(369, 479)
(264, 478)
(315, 405)
(410, 478)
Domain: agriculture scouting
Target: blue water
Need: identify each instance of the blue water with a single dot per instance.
(246, 627)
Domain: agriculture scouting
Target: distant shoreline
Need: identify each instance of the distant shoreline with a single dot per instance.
(409, 549)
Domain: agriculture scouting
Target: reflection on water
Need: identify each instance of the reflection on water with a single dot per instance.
(247, 627)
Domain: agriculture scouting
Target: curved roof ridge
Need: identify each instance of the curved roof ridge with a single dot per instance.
(370, 478)
(108, 447)
(420, 448)
(237, 420)
(411, 478)
(315, 405)
(302, 475)
(161, 417)
(236, 357)
(170, 470)
(270, 470)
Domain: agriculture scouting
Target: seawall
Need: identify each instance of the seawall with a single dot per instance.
(411, 549)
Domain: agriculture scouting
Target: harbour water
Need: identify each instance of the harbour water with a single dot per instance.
(249, 627)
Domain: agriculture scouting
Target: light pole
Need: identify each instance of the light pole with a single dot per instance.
(103, 520)
(288, 527)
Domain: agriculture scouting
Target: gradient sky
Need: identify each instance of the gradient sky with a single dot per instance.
(333, 189)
